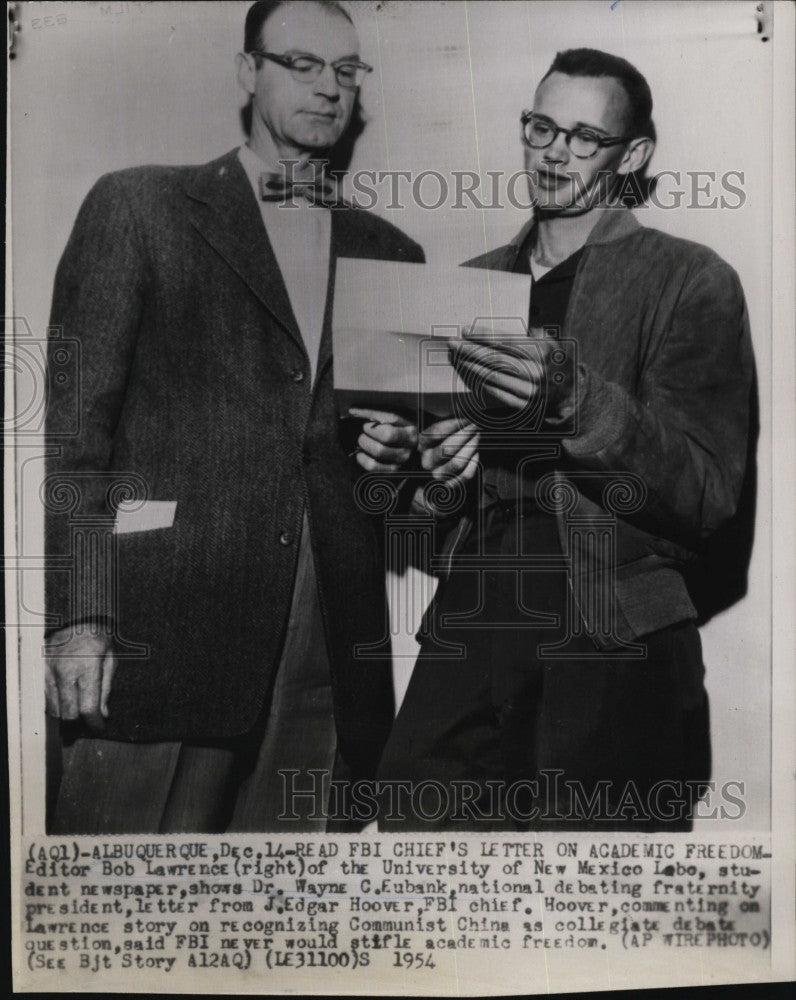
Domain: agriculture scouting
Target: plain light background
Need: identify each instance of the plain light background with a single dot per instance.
(104, 86)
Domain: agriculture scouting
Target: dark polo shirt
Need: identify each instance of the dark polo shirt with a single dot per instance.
(548, 308)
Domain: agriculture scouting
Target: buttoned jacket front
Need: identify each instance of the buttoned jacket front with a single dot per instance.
(195, 388)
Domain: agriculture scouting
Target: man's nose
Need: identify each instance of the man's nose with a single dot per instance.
(558, 150)
(326, 84)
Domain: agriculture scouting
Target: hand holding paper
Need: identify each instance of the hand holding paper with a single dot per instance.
(386, 442)
(450, 448)
(516, 374)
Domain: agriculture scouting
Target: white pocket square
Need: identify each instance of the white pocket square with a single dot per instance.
(144, 515)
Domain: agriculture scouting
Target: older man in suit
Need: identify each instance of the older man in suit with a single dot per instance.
(203, 628)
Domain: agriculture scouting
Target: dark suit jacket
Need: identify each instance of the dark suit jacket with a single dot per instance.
(665, 367)
(195, 387)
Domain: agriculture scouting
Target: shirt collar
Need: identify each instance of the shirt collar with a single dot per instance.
(613, 224)
(253, 166)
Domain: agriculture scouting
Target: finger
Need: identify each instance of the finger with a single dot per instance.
(447, 450)
(483, 329)
(455, 438)
(432, 456)
(488, 380)
(527, 364)
(471, 347)
(370, 464)
(530, 354)
(68, 703)
(108, 670)
(88, 696)
(394, 436)
(500, 398)
(380, 416)
(437, 432)
(51, 701)
(520, 347)
(471, 468)
(459, 460)
(486, 358)
(380, 452)
(496, 397)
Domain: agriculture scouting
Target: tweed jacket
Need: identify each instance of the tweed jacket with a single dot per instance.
(195, 387)
(657, 450)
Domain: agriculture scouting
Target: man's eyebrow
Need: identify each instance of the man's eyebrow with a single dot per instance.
(585, 125)
(303, 52)
(591, 128)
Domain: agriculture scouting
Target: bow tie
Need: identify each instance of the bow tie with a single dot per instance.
(275, 187)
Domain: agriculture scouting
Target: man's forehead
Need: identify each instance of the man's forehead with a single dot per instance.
(310, 27)
(594, 100)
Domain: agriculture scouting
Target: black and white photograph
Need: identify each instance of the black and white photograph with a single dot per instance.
(399, 474)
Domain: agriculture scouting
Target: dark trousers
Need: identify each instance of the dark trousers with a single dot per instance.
(522, 740)
(211, 786)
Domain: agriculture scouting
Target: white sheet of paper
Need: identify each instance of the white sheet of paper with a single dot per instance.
(386, 314)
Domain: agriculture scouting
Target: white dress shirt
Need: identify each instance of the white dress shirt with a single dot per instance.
(300, 234)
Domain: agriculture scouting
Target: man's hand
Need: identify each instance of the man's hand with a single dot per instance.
(449, 451)
(79, 674)
(515, 374)
(386, 442)
(449, 448)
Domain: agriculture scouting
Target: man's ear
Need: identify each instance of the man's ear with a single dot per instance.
(246, 71)
(636, 155)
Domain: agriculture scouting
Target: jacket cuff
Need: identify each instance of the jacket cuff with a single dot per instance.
(600, 415)
(101, 623)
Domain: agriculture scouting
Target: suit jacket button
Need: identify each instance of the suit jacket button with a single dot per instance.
(285, 538)
(297, 375)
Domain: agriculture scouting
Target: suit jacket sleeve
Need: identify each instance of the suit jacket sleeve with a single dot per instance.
(685, 430)
(97, 302)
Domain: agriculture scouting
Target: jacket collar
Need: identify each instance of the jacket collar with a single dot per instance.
(613, 224)
(224, 210)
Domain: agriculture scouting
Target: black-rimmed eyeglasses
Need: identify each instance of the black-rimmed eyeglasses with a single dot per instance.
(305, 68)
(539, 132)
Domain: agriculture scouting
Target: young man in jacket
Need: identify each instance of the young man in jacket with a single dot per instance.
(613, 443)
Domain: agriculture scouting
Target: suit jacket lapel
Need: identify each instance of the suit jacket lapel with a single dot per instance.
(223, 208)
(344, 244)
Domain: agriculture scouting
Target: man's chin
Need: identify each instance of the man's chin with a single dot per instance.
(551, 207)
(546, 203)
(319, 137)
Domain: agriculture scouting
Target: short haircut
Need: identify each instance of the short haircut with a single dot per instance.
(260, 12)
(593, 62)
